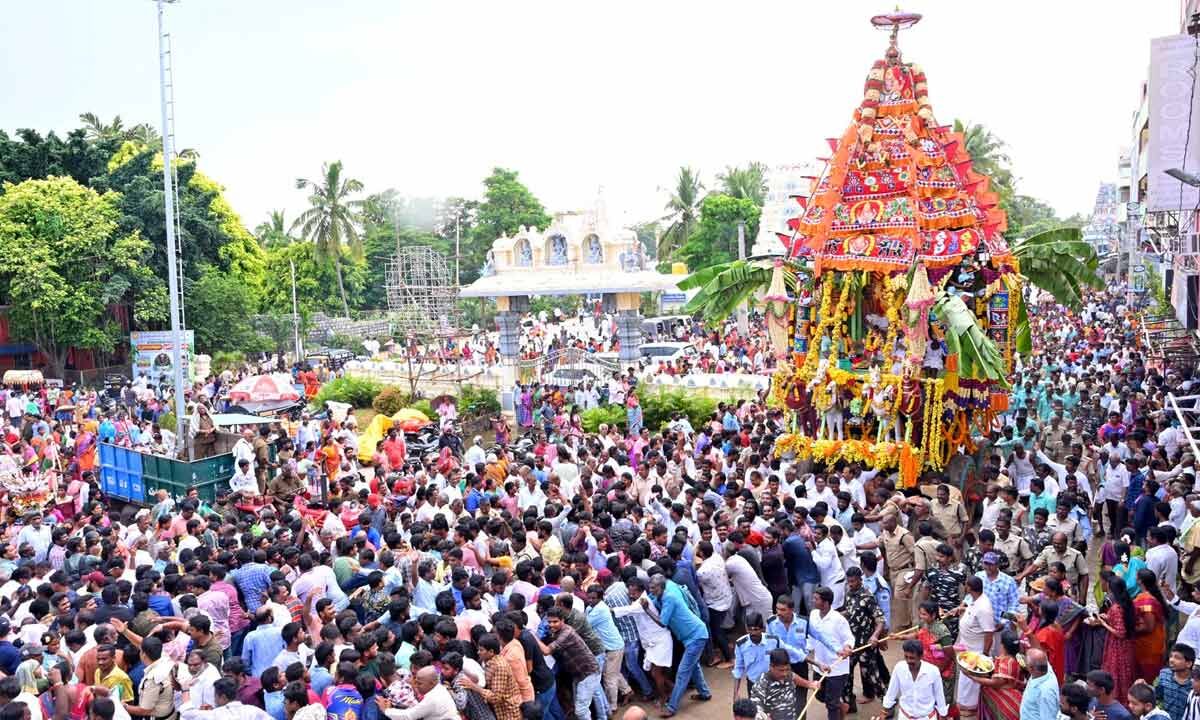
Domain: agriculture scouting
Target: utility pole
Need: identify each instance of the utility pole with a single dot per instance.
(1133, 215)
(457, 249)
(295, 314)
(743, 322)
(169, 214)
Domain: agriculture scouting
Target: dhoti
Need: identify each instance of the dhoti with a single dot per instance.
(967, 692)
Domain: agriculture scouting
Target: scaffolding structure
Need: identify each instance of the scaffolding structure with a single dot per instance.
(422, 297)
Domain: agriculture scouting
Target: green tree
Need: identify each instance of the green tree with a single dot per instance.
(331, 221)
(1029, 216)
(220, 310)
(66, 263)
(748, 182)
(684, 207)
(506, 206)
(316, 281)
(715, 238)
(273, 232)
(459, 215)
(29, 156)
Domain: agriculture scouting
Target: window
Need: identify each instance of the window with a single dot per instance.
(524, 253)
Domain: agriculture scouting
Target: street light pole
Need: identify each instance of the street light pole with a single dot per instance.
(295, 314)
(169, 208)
(1134, 217)
(743, 322)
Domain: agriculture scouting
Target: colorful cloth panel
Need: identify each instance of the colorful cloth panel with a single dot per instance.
(873, 183)
(935, 213)
(942, 244)
(928, 152)
(936, 177)
(892, 249)
(872, 214)
(890, 125)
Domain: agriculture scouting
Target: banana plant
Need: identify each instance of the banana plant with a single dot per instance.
(978, 356)
(1060, 262)
(724, 287)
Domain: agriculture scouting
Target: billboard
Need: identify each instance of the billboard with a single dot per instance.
(1171, 107)
(151, 354)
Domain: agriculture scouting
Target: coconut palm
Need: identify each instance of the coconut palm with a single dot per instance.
(989, 157)
(685, 210)
(332, 219)
(96, 128)
(272, 232)
(749, 182)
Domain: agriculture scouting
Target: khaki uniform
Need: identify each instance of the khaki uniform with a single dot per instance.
(899, 552)
(1016, 549)
(1075, 563)
(952, 516)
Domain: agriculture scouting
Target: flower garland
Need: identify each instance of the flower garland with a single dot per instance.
(823, 318)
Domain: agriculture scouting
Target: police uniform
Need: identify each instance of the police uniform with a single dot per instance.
(794, 639)
(750, 659)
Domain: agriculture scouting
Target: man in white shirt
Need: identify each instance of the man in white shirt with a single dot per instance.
(243, 449)
(1112, 491)
(243, 480)
(475, 454)
(916, 685)
(1161, 557)
(825, 556)
(830, 643)
(975, 631)
(435, 703)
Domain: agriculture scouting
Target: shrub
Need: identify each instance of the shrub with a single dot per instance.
(223, 360)
(355, 391)
(424, 406)
(478, 402)
(390, 400)
(607, 415)
(166, 421)
(657, 408)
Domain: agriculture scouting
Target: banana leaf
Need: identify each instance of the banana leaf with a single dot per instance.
(978, 356)
(1024, 339)
(724, 287)
(1060, 262)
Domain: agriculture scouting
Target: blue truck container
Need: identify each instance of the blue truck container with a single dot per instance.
(134, 476)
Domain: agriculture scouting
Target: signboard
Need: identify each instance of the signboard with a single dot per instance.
(1171, 107)
(998, 320)
(151, 353)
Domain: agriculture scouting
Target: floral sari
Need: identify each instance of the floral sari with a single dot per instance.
(937, 643)
(1004, 702)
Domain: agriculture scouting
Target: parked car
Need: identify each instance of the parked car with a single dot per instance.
(667, 352)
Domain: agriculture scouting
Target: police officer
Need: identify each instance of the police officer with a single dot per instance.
(751, 653)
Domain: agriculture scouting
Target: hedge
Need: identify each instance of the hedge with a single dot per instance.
(356, 391)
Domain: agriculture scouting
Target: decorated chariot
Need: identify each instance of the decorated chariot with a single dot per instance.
(901, 327)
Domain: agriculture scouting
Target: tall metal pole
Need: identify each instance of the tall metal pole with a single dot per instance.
(1134, 217)
(743, 322)
(169, 203)
(457, 251)
(295, 313)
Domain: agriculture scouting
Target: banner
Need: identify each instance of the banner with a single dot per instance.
(151, 354)
(1172, 109)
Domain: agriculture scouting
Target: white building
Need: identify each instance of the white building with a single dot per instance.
(784, 183)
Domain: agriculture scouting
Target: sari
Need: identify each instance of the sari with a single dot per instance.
(937, 642)
(525, 410)
(85, 447)
(1128, 572)
(1004, 702)
(1150, 648)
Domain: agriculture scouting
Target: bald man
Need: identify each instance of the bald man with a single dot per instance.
(634, 713)
(1040, 701)
(435, 700)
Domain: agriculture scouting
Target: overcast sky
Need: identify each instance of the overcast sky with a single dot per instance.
(427, 97)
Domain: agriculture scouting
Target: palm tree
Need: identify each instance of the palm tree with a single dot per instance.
(332, 218)
(989, 157)
(749, 182)
(273, 231)
(97, 130)
(685, 209)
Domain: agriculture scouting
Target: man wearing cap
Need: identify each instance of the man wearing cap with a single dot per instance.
(1000, 589)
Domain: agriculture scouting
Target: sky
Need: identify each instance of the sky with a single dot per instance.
(427, 96)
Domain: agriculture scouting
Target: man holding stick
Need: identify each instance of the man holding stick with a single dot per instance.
(832, 642)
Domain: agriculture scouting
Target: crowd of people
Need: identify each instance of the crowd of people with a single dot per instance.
(1051, 569)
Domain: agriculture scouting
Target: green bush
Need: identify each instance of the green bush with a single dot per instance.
(607, 415)
(657, 408)
(223, 360)
(390, 400)
(166, 421)
(424, 406)
(355, 391)
(478, 402)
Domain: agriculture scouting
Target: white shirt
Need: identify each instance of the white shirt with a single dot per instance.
(977, 621)
(919, 696)
(714, 583)
(243, 449)
(244, 482)
(826, 558)
(436, 705)
(1116, 482)
(475, 455)
(230, 711)
(1189, 634)
(836, 634)
(1165, 564)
